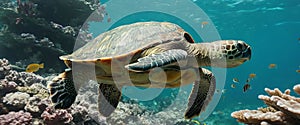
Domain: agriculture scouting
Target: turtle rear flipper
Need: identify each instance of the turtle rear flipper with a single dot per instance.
(201, 94)
(108, 99)
(157, 60)
(62, 90)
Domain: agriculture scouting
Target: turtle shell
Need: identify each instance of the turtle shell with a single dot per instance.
(128, 39)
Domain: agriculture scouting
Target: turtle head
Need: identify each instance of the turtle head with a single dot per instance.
(223, 53)
(236, 52)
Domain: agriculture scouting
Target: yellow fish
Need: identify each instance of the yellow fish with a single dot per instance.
(298, 71)
(252, 75)
(34, 67)
(272, 66)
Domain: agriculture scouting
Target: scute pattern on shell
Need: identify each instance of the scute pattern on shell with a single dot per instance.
(125, 39)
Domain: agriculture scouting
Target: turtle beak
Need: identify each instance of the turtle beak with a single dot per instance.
(245, 50)
(247, 53)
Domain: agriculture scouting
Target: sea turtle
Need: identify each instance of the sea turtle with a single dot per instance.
(140, 54)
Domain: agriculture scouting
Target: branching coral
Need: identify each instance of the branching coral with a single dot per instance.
(285, 109)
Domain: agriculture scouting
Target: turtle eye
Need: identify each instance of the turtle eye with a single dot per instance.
(240, 46)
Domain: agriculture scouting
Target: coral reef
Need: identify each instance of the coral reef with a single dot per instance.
(24, 78)
(283, 109)
(7, 86)
(4, 67)
(25, 94)
(53, 117)
(16, 118)
(32, 29)
(16, 100)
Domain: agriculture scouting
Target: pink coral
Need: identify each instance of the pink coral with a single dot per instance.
(53, 117)
(16, 118)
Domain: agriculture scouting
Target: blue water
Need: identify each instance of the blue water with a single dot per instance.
(270, 27)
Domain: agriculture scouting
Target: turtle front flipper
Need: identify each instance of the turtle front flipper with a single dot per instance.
(108, 99)
(157, 60)
(201, 94)
(62, 90)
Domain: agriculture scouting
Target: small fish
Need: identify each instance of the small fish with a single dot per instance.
(34, 67)
(235, 80)
(221, 91)
(252, 75)
(233, 86)
(298, 71)
(248, 80)
(272, 66)
(203, 24)
(246, 87)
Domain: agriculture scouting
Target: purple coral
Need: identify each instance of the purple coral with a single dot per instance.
(52, 116)
(16, 118)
